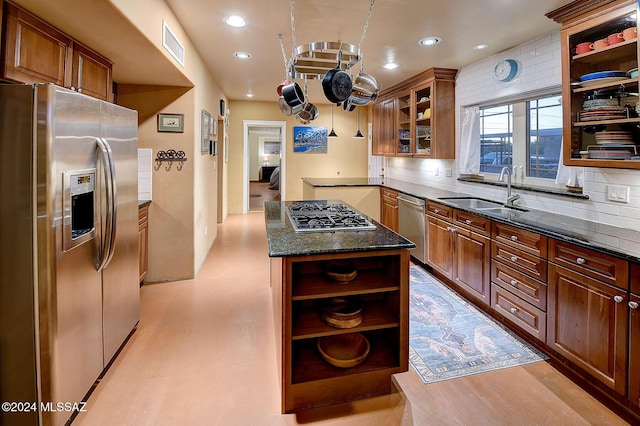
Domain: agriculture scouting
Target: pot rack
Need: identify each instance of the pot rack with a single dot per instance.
(313, 60)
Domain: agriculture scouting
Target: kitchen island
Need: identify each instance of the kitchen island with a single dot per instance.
(302, 289)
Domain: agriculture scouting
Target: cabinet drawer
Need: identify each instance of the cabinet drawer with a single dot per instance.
(143, 214)
(524, 240)
(609, 269)
(525, 315)
(438, 210)
(523, 261)
(473, 222)
(389, 196)
(522, 285)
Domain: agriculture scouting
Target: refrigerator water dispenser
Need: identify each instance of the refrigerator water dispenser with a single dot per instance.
(79, 208)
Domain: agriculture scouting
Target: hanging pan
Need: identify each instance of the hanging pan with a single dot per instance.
(365, 89)
(337, 83)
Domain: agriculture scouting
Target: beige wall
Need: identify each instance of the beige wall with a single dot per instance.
(345, 157)
(183, 214)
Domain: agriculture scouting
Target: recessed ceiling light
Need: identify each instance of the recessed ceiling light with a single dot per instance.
(480, 46)
(390, 65)
(242, 55)
(249, 95)
(235, 21)
(429, 41)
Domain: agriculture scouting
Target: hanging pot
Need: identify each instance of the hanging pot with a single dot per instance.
(283, 83)
(365, 89)
(293, 94)
(308, 113)
(349, 105)
(288, 109)
(337, 83)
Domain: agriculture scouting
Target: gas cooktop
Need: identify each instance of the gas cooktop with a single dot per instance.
(322, 216)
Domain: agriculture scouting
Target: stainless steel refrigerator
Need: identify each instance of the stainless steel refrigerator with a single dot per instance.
(69, 291)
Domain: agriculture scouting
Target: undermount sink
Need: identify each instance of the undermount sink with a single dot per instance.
(485, 206)
(473, 203)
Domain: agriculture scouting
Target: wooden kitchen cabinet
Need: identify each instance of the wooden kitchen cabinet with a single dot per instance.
(383, 126)
(585, 21)
(457, 251)
(389, 208)
(587, 323)
(143, 242)
(430, 135)
(519, 278)
(382, 285)
(35, 52)
(634, 336)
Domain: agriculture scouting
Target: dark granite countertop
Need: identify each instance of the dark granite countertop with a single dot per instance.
(283, 240)
(609, 239)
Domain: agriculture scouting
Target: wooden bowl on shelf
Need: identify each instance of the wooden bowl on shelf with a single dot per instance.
(343, 312)
(340, 271)
(344, 350)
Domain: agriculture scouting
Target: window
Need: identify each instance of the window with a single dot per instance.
(524, 135)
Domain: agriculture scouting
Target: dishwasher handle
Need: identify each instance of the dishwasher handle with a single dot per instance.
(411, 200)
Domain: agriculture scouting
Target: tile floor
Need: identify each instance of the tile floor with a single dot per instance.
(204, 354)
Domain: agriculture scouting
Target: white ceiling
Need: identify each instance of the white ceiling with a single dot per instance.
(393, 33)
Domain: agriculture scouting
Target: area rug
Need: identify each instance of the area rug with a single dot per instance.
(450, 338)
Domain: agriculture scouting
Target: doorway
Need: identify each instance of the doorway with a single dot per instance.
(264, 163)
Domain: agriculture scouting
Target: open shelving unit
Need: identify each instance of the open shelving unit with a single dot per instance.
(300, 289)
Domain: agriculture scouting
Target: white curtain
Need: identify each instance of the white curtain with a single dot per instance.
(470, 141)
(567, 175)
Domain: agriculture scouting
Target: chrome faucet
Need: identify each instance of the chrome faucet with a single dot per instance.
(510, 198)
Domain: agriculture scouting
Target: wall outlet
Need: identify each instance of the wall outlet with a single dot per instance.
(617, 193)
(206, 230)
(437, 172)
(448, 172)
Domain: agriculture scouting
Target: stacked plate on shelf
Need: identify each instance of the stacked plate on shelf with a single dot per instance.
(614, 137)
(595, 78)
(603, 113)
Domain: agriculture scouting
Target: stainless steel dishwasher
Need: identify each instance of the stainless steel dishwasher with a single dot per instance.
(411, 223)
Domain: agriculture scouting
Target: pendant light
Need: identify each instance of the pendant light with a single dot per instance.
(332, 133)
(358, 134)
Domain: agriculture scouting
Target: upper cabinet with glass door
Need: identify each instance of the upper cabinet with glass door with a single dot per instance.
(601, 127)
(425, 115)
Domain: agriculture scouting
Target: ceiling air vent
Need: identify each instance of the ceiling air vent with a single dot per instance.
(172, 44)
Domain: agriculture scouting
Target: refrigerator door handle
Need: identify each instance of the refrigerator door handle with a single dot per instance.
(107, 244)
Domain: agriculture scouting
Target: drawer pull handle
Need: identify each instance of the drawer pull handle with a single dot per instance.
(580, 261)
(514, 258)
(633, 305)
(514, 238)
(618, 299)
(436, 211)
(513, 310)
(468, 221)
(514, 283)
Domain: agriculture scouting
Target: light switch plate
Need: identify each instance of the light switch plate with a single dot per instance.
(618, 193)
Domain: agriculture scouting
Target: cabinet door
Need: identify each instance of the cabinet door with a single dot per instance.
(440, 246)
(472, 261)
(91, 73)
(35, 52)
(382, 138)
(390, 215)
(634, 350)
(404, 144)
(587, 323)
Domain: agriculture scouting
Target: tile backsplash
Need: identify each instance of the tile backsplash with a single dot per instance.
(475, 84)
(145, 169)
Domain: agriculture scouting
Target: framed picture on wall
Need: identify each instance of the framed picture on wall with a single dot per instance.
(171, 123)
(310, 139)
(206, 128)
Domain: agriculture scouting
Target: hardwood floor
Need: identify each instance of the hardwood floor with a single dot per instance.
(204, 354)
